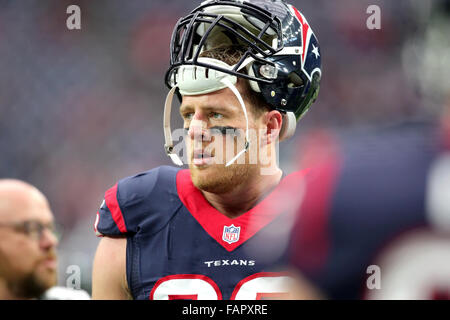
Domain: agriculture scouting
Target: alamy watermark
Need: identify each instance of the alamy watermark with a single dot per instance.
(374, 279)
(373, 22)
(73, 280)
(73, 21)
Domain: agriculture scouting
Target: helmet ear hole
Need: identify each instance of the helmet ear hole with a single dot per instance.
(295, 80)
(288, 127)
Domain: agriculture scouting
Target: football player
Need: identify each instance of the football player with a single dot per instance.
(245, 72)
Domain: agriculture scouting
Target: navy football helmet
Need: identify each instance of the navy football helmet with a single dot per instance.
(282, 61)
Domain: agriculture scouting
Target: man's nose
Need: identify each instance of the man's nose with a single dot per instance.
(48, 239)
(198, 129)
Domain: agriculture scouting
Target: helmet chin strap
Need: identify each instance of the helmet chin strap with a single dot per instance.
(168, 135)
(168, 146)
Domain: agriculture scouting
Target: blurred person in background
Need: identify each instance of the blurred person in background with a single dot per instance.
(375, 223)
(28, 258)
(216, 230)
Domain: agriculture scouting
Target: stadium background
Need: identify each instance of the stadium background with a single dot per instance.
(80, 109)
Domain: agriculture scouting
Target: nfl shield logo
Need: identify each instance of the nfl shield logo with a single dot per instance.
(231, 233)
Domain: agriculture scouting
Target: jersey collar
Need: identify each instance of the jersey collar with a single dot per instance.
(286, 197)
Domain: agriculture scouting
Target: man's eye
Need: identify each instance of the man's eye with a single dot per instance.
(216, 115)
(188, 116)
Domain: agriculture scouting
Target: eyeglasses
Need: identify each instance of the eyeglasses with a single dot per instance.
(32, 228)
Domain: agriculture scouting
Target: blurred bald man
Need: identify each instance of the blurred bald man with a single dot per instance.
(28, 260)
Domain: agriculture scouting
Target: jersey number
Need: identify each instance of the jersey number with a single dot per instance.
(199, 287)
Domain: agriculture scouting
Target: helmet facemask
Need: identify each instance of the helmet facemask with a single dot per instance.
(213, 25)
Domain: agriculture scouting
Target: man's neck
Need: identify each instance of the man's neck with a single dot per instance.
(5, 293)
(245, 196)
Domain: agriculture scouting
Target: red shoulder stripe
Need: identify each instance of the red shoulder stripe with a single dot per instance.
(114, 208)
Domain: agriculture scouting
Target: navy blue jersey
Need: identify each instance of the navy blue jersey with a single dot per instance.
(180, 247)
(374, 194)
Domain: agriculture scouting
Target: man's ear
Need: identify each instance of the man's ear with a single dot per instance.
(273, 121)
